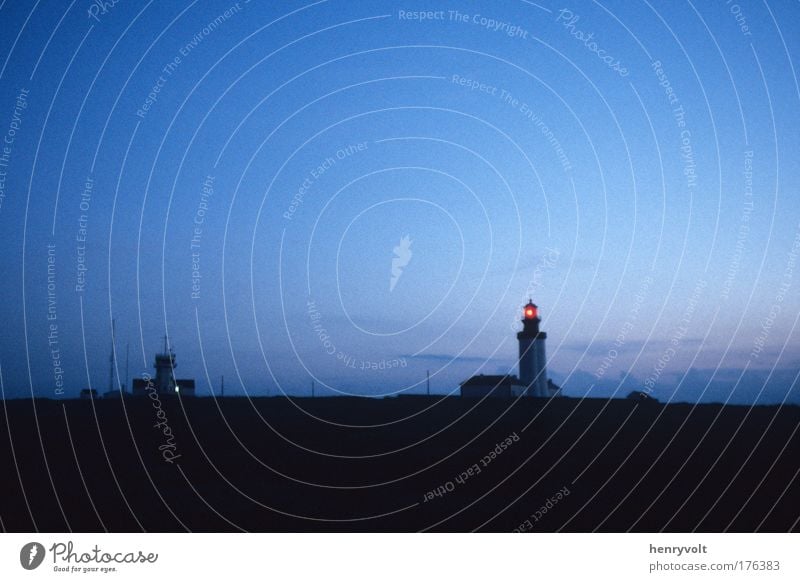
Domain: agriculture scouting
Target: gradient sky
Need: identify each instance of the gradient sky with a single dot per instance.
(554, 175)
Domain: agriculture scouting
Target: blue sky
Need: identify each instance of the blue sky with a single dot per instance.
(549, 162)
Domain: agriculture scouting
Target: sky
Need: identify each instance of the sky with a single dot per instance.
(358, 195)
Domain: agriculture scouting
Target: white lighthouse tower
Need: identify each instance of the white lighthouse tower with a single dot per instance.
(532, 359)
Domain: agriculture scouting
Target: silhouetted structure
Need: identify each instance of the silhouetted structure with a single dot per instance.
(112, 391)
(491, 386)
(164, 381)
(641, 396)
(532, 379)
(532, 359)
(553, 389)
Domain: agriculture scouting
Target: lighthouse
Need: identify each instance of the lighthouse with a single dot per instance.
(532, 359)
(532, 379)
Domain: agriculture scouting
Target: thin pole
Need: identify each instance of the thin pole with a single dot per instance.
(222, 386)
(428, 375)
(127, 358)
(111, 357)
(312, 388)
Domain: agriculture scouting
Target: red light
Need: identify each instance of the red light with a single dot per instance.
(529, 312)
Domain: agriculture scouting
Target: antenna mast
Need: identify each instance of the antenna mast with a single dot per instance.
(127, 359)
(111, 357)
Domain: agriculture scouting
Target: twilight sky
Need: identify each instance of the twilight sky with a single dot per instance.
(355, 193)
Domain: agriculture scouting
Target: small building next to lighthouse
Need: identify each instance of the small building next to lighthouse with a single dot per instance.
(532, 380)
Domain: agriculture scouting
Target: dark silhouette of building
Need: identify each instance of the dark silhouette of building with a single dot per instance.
(641, 396)
(492, 386)
(164, 382)
(532, 379)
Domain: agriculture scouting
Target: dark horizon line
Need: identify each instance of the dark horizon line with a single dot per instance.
(653, 402)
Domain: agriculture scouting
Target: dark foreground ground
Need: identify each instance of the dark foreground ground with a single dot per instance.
(264, 465)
